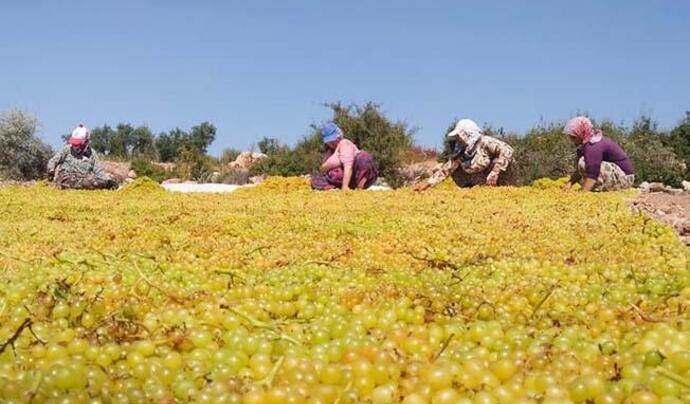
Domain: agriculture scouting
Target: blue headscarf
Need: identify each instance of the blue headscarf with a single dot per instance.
(331, 132)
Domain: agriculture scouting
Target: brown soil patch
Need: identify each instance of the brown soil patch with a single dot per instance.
(672, 209)
(117, 169)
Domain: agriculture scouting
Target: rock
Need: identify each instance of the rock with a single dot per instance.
(172, 181)
(215, 176)
(660, 187)
(256, 179)
(167, 167)
(131, 174)
(644, 186)
(246, 160)
(684, 227)
(686, 186)
(117, 169)
(657, 187)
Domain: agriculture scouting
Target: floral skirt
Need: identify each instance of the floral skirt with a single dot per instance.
(611, 177)
(364, 169)
(466, 180)
(76, 180)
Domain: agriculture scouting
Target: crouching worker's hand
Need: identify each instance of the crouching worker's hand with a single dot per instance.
(492, 179)
(421, 186)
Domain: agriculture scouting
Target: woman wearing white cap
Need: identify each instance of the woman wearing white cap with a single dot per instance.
(75, 165)
(477, 159)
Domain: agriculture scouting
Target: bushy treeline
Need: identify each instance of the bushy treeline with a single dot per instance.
(544, 151)
(23, 155)
(138, 144)
(541, 152)
(366, 126)
(128, 142)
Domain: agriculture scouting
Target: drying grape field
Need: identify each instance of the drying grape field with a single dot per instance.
(277, 294)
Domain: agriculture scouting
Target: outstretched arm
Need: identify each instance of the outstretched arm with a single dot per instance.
(503, 157)
(347, 176)
(56, 160)
(441, 174)
(588, 184)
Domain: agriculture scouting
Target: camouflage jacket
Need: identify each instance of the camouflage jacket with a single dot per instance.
(84, 163)
(488, 151)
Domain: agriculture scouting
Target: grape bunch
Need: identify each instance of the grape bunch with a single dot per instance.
(277, 294)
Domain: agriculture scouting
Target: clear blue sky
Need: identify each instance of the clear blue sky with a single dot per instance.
(263, 68)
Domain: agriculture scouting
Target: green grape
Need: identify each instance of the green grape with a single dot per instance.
(273, 295)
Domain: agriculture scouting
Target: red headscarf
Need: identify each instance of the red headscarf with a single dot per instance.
(581, 127)
(80, 136)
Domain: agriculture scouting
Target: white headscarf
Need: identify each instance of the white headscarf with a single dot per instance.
(469, 134)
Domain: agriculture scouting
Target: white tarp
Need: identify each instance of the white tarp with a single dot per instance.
(220, 188)
(203, 187)
(378, 188)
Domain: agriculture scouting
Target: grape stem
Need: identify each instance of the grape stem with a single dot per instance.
(15, 258)
(643, 316)
(436, 263)
(17, 333)
(158, 288)
(445, 344)
(542, 301)
(233, 275)
(255, 323)
(257, 249)
(323, 263)
(342, 394)
(270, 377)
(35, 387)
(674, 377)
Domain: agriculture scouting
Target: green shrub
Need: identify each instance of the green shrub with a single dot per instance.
(268, 145)
(304, 158)
(653, 160)
(229, 155)
(172, 145)
(142, 185)
(371, 130)
(23, 156)
(125, 142)
(193, 164)
(545, 152)
(679, 141)
(366, 126)
(236, 176)
(145, 168)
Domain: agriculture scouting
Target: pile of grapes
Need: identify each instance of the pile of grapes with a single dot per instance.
(277, 294)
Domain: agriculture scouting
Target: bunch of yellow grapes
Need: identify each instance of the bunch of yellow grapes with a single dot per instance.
(278, 294)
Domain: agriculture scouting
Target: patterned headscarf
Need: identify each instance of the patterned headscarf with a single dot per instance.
(581, 127)
(469, 133)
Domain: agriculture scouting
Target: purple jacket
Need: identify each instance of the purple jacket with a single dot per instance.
(604, 150)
